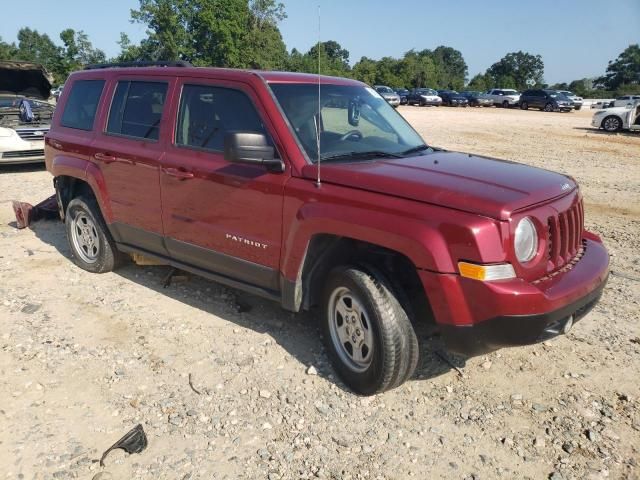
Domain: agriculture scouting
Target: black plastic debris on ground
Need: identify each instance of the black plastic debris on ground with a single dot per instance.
(135, 441)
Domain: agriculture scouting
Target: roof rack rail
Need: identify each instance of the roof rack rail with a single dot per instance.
(175, 63)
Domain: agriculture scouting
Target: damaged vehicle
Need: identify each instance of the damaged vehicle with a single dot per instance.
(25, 115)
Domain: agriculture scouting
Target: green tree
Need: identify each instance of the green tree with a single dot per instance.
(8, 51)
(514, 69)
(365, 70)
(78, 51)
(264, 47)
(480, 83)
(451, 67)
(624, 70)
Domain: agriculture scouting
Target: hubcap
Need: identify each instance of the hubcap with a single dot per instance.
(84, 236)
(611, 124)
(350, 329)
(548, 107)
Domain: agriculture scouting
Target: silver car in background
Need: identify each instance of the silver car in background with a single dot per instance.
(577, 101)
(388, 94)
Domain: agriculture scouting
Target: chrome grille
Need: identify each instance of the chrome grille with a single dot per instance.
(565, 235)
(32, 133)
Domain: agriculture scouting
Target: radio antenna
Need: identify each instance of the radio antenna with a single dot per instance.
(319, 104)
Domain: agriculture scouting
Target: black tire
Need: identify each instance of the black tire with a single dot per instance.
(394, 345)
(611, 123)
(548, 107)
(83, 220)
(578, 108)
(524, 106)
(423, 103)
(505, 104)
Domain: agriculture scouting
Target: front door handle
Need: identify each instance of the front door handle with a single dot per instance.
(108, 158)
(181, 174)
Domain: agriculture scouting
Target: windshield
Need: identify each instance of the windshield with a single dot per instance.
(510, 92)
(427, 91)
(566, 93)
(353, 120)
(554, 94)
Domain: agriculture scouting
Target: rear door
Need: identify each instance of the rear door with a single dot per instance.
(128, 152)
(219, 216)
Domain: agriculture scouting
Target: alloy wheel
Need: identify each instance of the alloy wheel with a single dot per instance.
(84, 236)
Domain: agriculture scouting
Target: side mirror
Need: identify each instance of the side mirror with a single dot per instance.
(251, 148)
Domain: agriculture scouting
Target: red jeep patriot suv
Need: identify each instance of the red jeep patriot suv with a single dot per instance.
(215, 171)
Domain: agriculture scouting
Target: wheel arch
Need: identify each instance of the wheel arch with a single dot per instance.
(326, 251)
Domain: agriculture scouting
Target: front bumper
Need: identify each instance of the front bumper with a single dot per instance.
(14, 149)
(394, 102)
(596, 121)
(479, 317)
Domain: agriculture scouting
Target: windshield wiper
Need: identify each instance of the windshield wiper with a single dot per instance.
(419, 148)
(360, 155)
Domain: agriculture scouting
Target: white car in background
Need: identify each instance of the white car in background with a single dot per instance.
(577, 101)
(25, 116)
(625, 100)
(504, 97)
(615, 119)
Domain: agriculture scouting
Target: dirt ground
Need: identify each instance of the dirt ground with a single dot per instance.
(84, 358)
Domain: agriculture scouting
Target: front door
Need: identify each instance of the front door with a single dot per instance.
(219, 216)
(128, 151)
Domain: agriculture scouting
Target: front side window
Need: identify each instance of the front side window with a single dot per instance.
(207, 113)
(136, 109)
(82, 104)
(353, 120)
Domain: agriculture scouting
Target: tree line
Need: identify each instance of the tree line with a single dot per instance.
(245, 34)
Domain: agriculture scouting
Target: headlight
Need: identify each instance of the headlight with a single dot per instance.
(525, 242)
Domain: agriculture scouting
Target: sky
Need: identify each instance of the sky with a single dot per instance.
(575, 38)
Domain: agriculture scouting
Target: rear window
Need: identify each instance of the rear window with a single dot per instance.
(136, 109)
(82, 104)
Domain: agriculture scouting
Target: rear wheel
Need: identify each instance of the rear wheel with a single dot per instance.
(612, 124)
(505, 104)
(369, 337)
(578, 108)
(524, 106)
(92, 247)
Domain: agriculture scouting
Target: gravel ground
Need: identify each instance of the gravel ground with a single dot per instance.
(84, 358)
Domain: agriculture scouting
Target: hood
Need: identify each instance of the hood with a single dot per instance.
(619, 110)
(480, 185)
(389, 95)
(25, 79)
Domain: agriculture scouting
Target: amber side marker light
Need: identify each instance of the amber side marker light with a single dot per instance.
(486, 272)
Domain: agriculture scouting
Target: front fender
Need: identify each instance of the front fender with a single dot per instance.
(433, 238)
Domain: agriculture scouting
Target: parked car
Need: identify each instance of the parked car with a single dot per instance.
(24, 116)
(56, 92)
(477, 99)
(504, 97)
(625, 100)
(403, 93)
(547, 100)
(453, 98)
(388, 94)
(618, 118)
(216, 172)
(577, 101)
(424, 97)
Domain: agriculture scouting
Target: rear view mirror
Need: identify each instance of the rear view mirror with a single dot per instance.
(354, 112)
(251, 148)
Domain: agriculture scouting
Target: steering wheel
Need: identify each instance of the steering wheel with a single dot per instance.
(352, 133)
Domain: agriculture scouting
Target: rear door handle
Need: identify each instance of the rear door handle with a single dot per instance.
(107, 158)
(181, 174)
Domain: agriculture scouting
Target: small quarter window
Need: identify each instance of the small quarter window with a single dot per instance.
(207, 113)
(82, 104)
(136, 109)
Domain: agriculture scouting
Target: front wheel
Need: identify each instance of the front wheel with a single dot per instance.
(578, 108)
(612, 124)
(92, 247)
(524, 106)
(548, 107)
(505, 104)
(369, 337)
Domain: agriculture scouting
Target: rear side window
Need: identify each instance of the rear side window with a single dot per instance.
(136, 109)
(82, 104)
(207, 113)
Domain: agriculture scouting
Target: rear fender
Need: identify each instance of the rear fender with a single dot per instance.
(87, 172)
